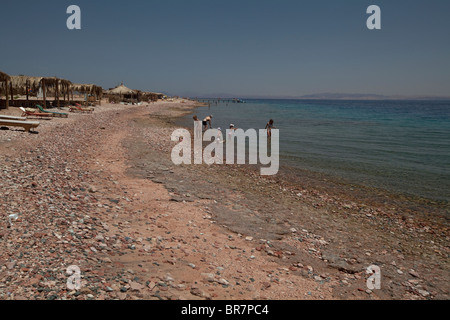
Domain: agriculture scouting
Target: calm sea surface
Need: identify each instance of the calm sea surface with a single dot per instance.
(398, 146)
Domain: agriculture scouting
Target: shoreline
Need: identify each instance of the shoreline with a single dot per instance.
(361, 214)
(351, 191)
(196, 232)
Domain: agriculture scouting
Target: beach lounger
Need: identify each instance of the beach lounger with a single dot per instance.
(2, 117)
(55, 114)
(78, 108)
(14, 123)
(33, 113)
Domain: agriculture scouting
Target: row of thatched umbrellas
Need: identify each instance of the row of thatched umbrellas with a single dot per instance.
(59, 88)
(62, 88)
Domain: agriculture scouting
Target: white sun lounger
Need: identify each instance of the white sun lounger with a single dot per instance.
(12, 118)
(24, 124)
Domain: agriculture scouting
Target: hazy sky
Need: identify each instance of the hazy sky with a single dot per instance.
(242, 48)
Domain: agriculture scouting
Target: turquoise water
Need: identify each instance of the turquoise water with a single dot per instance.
(399, 146)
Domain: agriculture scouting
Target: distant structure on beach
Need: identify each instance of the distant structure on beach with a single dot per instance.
(22, 91)
(123, 94)
(4, 78)
(218, 100)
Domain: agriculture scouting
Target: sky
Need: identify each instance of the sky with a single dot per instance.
(241, 48)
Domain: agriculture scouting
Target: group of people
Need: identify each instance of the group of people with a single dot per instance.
(208, 122)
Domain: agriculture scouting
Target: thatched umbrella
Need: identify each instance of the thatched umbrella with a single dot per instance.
(153, 96)
(88, 88)
(91, 89)
(23, 84)
(122, 91)
(5, 78)
(58, 85)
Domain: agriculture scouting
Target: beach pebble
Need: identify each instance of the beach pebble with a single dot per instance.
(413, 273)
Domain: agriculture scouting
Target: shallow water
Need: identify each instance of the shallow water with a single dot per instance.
(398, 146)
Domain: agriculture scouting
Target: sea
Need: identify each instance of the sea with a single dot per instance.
(402, 147)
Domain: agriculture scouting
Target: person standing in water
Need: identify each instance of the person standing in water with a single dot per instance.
(231, 131)
(207, 121)
(269, 127)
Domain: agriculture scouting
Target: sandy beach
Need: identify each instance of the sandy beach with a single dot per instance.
(100, 192)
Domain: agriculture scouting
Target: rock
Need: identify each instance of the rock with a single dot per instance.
(423, 293)
(413, 273)
(266, 285)
(10, 265)
(151, 285)
(136, 286)
(196, 292)
(338, 263)
(208, 276)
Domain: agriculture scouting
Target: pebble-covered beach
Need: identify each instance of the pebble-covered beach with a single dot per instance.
(99, 191)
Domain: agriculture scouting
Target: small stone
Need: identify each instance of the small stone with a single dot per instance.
(136, 286)
(10, 265)
(423, 293)
(208, 276)
(196, 292)
(266, 285)
(413, 273)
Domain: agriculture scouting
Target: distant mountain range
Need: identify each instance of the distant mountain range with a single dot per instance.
(343, 96)
(328, 96)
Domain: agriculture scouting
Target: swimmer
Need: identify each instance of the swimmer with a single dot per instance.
(269, 127)
(207, 121)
